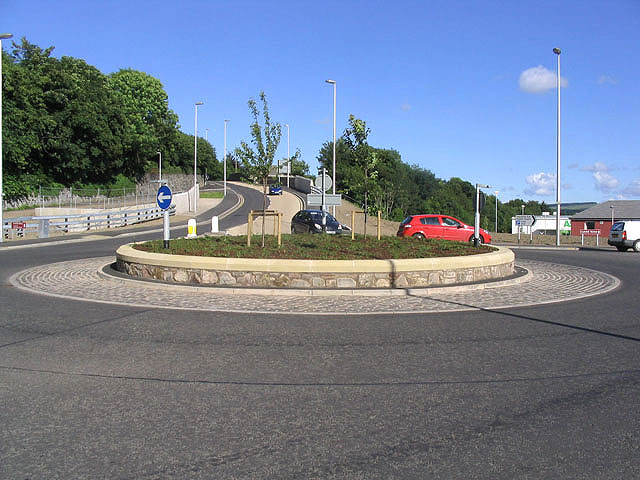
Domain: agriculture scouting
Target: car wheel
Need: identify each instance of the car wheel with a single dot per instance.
(419, 236)
(621, 249)
(636, 246)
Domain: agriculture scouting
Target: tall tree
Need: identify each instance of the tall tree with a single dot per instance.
(150, 125)
(62, 121)
(365, 158)
(265, 138)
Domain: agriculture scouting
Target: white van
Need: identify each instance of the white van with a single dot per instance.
(625, 235)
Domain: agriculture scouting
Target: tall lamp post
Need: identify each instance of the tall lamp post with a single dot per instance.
(195, 161)
(3, 36)
(224, 165)
(496, 192)
(557, 52)
(159, 167)
(333, 82)
(613, 209)
(288, 157)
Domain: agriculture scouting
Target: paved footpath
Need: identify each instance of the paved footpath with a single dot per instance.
(86, 280)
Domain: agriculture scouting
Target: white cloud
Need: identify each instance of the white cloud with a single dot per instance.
(541, 184)
(610, 79)
(605, 182)
(633, 189)
(539, 80)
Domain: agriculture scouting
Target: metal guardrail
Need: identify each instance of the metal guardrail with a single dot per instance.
(42, 225)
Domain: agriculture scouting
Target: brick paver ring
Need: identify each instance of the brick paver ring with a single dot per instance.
(85, 280)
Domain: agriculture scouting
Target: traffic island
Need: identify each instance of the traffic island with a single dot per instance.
(316, 274)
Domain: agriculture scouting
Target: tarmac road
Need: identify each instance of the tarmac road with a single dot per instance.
(117, 391)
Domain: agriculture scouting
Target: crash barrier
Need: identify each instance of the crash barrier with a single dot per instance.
(43, 226)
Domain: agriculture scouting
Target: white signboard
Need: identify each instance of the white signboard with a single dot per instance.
(315, 199)
(323, 180)
(525, 220)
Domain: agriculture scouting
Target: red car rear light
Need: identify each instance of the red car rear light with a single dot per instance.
(624, 235)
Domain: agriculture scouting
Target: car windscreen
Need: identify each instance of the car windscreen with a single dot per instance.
(317, 217)
(617, 227)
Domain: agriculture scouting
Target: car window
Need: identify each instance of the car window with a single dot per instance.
(407, 220)
(430, 221)
(450, 222)
(618, 227)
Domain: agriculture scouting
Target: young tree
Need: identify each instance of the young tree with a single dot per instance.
(298, 166)
(365, 157)
(265, 139)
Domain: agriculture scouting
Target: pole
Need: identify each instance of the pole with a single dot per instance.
(476, 222)
(334, 83)
(224, 165)
(557, 52)
(195, 159)
(288, 157)
(3, 36)
(496, 192)
(160, 167)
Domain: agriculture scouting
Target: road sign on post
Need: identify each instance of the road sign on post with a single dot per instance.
(525, 220)
(163, 199)
(315, 199)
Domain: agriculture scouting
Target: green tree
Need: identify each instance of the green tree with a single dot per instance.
(365, 159)
(61, 120)
(298, 166)
(150, 124)
(265, 138)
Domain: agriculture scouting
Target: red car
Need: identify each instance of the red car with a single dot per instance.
(439, 226)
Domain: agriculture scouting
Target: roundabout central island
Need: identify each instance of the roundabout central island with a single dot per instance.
(316, 274)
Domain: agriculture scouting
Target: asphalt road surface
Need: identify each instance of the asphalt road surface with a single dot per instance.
(94, 390)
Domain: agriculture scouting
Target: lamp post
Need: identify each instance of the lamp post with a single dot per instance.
(288, 157)
(557, 52)
(478, 207)
(224, 164)
(195, 161)
(159, 167)
(613, 209)
(3, 36)
(333, 82)
(496, 192)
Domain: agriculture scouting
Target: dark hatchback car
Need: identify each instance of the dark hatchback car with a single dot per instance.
(310, 221)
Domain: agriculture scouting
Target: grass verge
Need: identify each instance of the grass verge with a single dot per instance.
(314, 247)
(211, 195)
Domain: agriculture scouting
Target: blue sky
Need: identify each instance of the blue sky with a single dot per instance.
(461, 88)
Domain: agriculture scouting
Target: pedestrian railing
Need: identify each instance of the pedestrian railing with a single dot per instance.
(43, 226)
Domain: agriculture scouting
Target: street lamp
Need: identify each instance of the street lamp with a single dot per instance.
(333, 82)
(476, 224)
(159, 167)
(3, 36)
(496, 192)
(195, 161)
(288, 157)
(224, 165)
(613, 209)
(557, 52)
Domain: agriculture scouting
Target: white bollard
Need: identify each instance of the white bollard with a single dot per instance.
(214, 224)
(191, 228)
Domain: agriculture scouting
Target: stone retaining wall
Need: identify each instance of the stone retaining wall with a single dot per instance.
(357, 274)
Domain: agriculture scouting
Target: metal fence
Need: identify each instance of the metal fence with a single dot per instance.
(45, 226)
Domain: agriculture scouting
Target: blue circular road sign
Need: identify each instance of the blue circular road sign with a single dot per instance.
(164, 196)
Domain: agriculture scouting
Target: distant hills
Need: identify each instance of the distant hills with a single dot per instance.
(571, 208)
